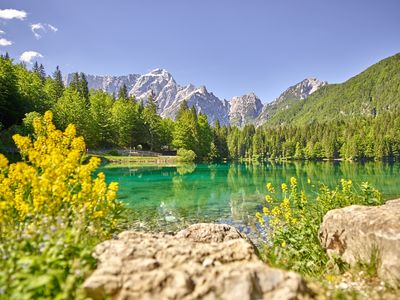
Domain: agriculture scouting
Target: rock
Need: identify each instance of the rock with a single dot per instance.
(204, 261)
(357, 233)
(206, 233)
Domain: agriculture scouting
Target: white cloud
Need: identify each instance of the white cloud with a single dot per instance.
(52, 28)
(5, 42)
(2, 32)
(28, 56)
(10, 13)
(37, 27)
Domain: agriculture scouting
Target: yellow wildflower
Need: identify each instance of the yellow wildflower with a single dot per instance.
(266, 210)
(268, 198)
(270, 187)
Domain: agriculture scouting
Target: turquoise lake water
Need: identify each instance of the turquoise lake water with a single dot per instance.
(169, 198)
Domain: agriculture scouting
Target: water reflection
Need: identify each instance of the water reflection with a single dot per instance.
(168, 198)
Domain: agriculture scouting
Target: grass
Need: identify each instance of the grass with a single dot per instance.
(110, 161)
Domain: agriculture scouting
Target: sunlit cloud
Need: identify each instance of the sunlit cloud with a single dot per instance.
(38, 29)
(5, 42)
(10, 13)
(29, 56)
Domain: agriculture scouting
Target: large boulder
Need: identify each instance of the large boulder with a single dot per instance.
(205, 261)
(361, 233)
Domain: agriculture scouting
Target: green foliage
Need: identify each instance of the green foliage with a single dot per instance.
(71, 109)
(11, 108)
(53, 211)
(357, 139)
(27, 122)
(100, 115)
(124, 114)
(185, 129)
(371, 93)
(186, 155)
(292, 223)
(122, 92)
(152, 124)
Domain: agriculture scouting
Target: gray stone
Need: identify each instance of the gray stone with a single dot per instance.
(205, 261)
(357, 233)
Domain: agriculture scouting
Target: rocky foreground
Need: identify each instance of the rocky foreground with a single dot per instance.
(215, 261)
(363, 233)
(204, 261)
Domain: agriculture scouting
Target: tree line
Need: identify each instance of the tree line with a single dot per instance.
(120, 121)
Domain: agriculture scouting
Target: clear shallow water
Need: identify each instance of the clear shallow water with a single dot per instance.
(168, 198)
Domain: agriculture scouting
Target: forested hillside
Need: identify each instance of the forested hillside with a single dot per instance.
(372, 92)
(105, 121)
(356, 120)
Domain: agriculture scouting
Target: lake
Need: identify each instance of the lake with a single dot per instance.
(169, 198)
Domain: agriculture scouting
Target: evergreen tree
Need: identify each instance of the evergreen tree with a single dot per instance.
(152, 122)
(74, 84)
(42, 73)
(59, 84)
(35, 68)
(83, 87)
(123, 92)
(204, 137)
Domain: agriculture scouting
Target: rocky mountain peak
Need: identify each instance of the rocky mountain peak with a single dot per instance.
(244, 109)
(299, 91)
(303, 89)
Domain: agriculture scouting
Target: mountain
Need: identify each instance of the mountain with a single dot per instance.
(110, 84)
(369, 93)
(204, 101)
(288, 98)
(244, 109)
(168, 94)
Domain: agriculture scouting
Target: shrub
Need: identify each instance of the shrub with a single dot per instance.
(52, 213)
(186, 155)
(292, 223)
(113, 152)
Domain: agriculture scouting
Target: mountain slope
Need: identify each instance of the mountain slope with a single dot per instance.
(288, 98)
(369, 93)
(110, 84)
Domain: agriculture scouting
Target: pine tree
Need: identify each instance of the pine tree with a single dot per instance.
(298, 154)
(123, 92)
(204, 137)
(74, 84)
(152, 122)
(59, 85)
(83, 87)
(42, 73)
(35, 68)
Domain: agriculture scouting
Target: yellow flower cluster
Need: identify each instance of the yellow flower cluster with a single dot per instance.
(52, 177)
(282, 213)
(346, 185)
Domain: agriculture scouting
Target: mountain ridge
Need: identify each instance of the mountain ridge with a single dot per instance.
(168, 94)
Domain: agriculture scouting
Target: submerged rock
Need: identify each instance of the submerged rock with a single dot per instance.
(204, 261)
(361, 233)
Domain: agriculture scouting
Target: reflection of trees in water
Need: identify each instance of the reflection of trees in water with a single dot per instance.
(234, 192)
(183, 169)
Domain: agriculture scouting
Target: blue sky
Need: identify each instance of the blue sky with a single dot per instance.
(233, 47)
